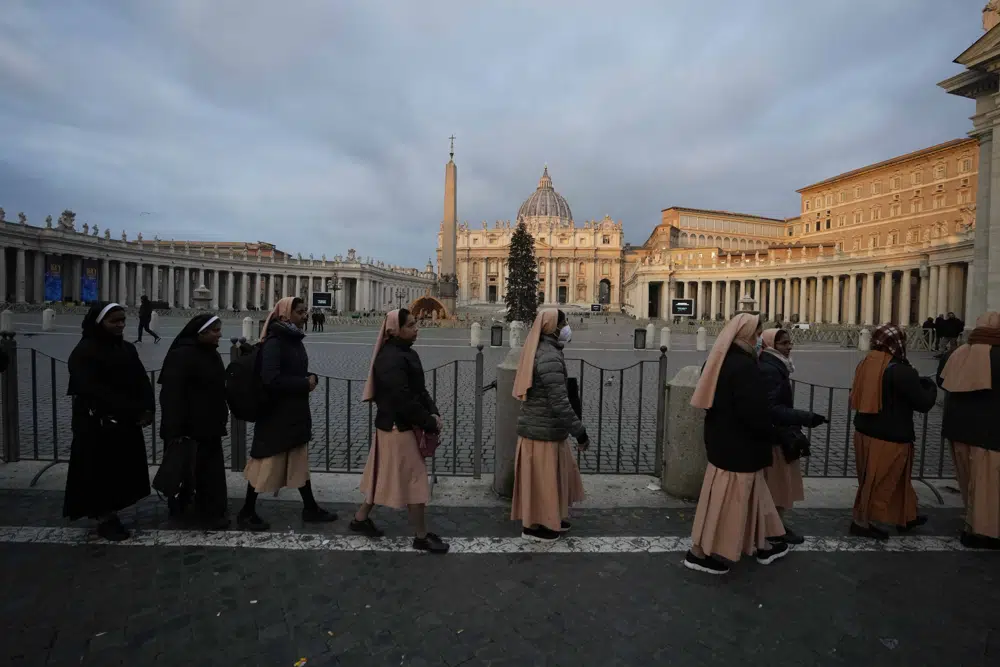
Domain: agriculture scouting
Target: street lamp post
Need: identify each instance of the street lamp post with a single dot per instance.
(400, 293)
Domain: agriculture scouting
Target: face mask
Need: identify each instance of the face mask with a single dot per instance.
(565, 334)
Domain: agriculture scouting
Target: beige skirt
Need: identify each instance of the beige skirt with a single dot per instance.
(395, 474)
(978, 472)
(546, 482)
(288, 470)
(784, 481)
(885, 491)
(735, 514)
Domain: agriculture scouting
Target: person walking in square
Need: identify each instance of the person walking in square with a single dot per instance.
(735, 513)
(193, 408)
(395, 474)
(279, 456)
(145, 318)
(971, 378)
(784, 475)
(546, 478)
(885, 393)
(112, 402)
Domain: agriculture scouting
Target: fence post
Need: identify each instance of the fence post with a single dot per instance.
(661, 411)
(477, 443)
(9, 396)
(237, 427)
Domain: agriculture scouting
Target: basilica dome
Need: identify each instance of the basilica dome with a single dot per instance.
(546, 205)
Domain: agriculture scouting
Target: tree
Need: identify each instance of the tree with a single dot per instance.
(522, 277)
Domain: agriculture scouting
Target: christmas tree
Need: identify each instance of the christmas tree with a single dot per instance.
(522, 277)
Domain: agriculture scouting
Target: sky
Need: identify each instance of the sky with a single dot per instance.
(323, 125)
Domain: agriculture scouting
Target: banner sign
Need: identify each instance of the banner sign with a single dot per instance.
(682, 307)
(322, 300)
(595, 307)
(53, 283)
(89, 291)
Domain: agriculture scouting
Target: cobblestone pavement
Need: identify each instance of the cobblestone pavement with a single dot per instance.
(102, 605)
(619, 388)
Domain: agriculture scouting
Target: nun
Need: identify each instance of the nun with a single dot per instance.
(112, 402)
(193, 407)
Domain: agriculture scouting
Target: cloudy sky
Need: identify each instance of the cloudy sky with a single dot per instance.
(322, 125)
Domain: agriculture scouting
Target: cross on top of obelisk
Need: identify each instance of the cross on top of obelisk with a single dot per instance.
(451, 152)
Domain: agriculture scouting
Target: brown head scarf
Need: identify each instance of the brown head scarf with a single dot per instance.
(888, 342)
(740, 330)
(282, 310)
(390, 327)
(969, 367)
(545, 323)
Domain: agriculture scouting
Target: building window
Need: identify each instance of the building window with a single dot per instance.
(873, 241)
(964, 197)
(965, 182)
(895, 210)
(940, 171)
(857, 217)
(808, 205)
(877, 188)
(895, 183)
(606, 240)
(876, 213)
(828, 223)
(892, 239)
(829, 200)
(857, 244)
(840, 246)
(910, 235)
(939, 201)
(842, 197)
(916, 178)
(966, 165)
(916, 206)
(857, 192)
(841, 220)
(818, 202)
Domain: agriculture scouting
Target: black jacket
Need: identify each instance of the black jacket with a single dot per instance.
(903, 392)
(193, 392)
(400, 393)
(738, 427)
(145, 310)
(777, 379)
(284, 370)
(971, 417)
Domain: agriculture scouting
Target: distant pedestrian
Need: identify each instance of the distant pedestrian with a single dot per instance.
(784, 475)
(279, 456)
(145, 318)
(193, 408)
(940, 331)
(112, 402)
(546, 478)
(735, 513)
(885, 393)
(395, 474)
(971, 376)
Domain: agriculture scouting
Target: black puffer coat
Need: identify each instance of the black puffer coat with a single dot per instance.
(777, 379)
(546, 413)
(284, 369)
(400, 393)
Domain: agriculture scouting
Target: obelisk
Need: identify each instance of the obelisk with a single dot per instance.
(448, 280)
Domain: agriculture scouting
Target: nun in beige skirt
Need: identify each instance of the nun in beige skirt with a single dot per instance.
(288, 470)
(395, 474)
(548, 482)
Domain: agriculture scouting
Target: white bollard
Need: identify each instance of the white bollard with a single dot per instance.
(248, 328)
(665, 337)
(7, 321)
(865, 340)
(516, 334)
(154, 321)
(476, 334)
(650, 336)
(48, 319)
(701, 340)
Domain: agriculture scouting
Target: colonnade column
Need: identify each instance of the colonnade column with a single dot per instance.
(835, 306)
(123, 283)
(932, 293)
(869, 299)
(138, 282)
(244, 279)
(710, 300)
(105, 279)
(154, 282)
(772, 296)
(230, 276)
(787, 290)
(885, 312)
(904, 298)
(820, 289)
(186, 288)
(803, 296)
(852, 299)
(942, 298)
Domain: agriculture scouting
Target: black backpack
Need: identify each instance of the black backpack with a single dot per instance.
(244, 388)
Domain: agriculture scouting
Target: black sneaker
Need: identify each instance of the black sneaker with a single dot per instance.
(708, 565)
(113, 530)
(251, 522)
(317, 515)
(366, 528)
(973, 541)
(564, 526)
(916, 523)
(540, 534)
(156, 341)
(873, 532)
(431, 543)
(777, 551)
(790, 537)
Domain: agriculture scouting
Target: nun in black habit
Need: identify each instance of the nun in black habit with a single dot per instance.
(193, 408)
(112, 402)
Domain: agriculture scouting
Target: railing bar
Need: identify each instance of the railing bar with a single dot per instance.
(454, 416)
(434, 395)
(326, 411)
(621, 408)
(923, 448)
(847, 434)
(152, 380)
(579, 454)
(638, 419)
(55, 418)
(941, 458)
(829, 430)
(600, 416)
(34, 399)
(812, 404)
(349, 439)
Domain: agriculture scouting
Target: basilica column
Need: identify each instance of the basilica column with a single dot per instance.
(932, 293)
(835, 306)
(885, 311)
(904, 298)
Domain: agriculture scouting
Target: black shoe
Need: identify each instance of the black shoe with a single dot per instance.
(540, 534)
(317, 515)
(973, 541)
(790, 537)
(113, 530)
(708, 565)
(156, 340)
(431, 543)
(564, 526)
(777, 551)
(874, 532)
(366, 528)
(916, 523)
(251, 522)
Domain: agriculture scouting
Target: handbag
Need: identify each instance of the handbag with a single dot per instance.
(176, 467)
(794, 444)
(573, 389)
(427, 443)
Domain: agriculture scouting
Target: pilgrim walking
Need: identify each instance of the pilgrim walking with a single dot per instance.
(395, 474)
(193, 419)
(546, 478)
(145, 318)
(971, 378)
(886, 392)
(735, 513)
(784, 475)
(279, 456)
(112, 402)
